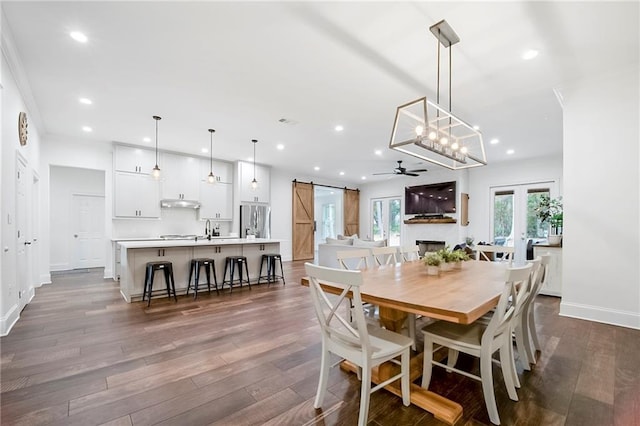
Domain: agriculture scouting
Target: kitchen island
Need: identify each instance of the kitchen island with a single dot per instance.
(134, 256)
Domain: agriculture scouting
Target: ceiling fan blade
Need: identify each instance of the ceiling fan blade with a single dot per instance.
(417, 171)
(377, 174)
(410, 174)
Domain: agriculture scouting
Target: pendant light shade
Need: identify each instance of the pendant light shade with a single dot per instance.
(211, 178)
(254, 182)
(156, 170)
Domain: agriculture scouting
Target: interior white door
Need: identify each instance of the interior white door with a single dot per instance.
(88, 235)
(22, 242)
(514, 220)
(35, 232)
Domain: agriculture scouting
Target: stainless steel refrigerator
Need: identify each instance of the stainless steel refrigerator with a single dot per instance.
(255, 220)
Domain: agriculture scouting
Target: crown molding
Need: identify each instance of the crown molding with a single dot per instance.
(14, 63)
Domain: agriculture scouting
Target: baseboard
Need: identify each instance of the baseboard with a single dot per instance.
(8, 321)
(108, 273)
(599, 314)
(45, 279)
(55, 267)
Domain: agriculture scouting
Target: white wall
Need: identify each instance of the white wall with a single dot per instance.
(601, 243)
(64, 183)
(452, 234)
(12, 104)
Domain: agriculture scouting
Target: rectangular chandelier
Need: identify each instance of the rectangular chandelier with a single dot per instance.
(429, 132)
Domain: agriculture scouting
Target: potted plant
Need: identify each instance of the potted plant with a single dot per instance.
(433, 262)
(459, 256)
(448, 258)
(549, 210)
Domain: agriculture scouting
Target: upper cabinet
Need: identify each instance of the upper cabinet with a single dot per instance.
(135, 196)
(222, 170)
(180, 177)
(262, 174)
(134, 160)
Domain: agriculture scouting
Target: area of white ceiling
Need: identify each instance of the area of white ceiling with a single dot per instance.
(239, 67)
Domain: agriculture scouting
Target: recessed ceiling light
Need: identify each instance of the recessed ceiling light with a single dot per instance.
(341, 173)
(316, 168)
(494, 141)
(510, 152)
(378, 152)
(85, 101)
(87, 129)
(204, 150)
(146, 139)
(364, 178)
(339, 128)
(78, 36)
(280, 146)
(529, 54)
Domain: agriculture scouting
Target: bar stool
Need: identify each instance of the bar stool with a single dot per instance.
(271, 276)
(196, 265)
(150, 273)
(230, 263)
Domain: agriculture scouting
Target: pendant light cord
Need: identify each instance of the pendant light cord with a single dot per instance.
(254, 158)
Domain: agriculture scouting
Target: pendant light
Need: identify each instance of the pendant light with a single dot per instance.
(211, 178)
(254, 182)
(156, 170)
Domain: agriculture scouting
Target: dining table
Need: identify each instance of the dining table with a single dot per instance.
(461, 295)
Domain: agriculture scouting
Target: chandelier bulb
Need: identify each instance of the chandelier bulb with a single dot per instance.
(419, 130)
(444, 140)
(455, 146)
(211, 178)
(432, 135)
(464, 150)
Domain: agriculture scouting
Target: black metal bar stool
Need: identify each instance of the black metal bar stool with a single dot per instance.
(150, 272)
(209, 265)
(271, 276)
(231, 262)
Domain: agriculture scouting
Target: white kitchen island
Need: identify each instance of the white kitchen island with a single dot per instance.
(134, 256)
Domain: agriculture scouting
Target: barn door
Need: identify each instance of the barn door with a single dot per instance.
(303, 221)
(351, 211)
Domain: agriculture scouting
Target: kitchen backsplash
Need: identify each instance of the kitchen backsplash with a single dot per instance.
(172, 221)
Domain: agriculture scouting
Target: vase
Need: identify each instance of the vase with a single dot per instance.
(446, 266)
(554, 240)
(433, 270)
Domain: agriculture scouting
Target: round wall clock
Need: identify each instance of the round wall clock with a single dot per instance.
(22, 128)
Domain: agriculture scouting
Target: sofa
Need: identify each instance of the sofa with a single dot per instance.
(327, 252)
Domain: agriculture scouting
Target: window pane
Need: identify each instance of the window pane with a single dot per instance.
(503, 219)
(394, 223)
(378, 225)
(535, 227)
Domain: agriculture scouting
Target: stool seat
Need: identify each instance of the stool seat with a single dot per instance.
(150, 271)
(196, 265)
(230, 264)
(271, 276)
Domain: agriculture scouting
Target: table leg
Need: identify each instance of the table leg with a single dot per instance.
(392, 319)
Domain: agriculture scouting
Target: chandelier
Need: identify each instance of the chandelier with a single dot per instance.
(428, 131)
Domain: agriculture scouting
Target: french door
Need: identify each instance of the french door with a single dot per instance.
(386, 220)
(514, 219)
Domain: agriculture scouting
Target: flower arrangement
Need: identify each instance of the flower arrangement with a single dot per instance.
(550, 210)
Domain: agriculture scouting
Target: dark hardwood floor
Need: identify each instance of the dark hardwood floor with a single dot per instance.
(80, 355)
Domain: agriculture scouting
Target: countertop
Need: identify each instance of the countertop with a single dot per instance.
(117, 240)
(192, 243)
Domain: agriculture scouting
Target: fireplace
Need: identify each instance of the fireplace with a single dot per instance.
(429, 246)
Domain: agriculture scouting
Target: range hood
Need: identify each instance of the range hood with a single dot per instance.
(183, 204)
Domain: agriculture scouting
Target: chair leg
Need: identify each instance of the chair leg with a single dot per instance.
(507, 372)
(260, 273)
(196, 283)
(246, 269)
(405, 360)
(452, 358)
(207, 272)
(173, 284)
(411, 319)
(215, 278)
(522, 351)
(365, 396)
(532, 328)
(512, 361)
(325, 367)
(233, 270)
(281, 270)
(190, 275)
(427, 367)
(486, 376)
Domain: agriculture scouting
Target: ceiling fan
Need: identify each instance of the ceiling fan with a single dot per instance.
(403, 171)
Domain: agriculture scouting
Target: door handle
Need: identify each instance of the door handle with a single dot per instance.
(27, 243)
(75, 235)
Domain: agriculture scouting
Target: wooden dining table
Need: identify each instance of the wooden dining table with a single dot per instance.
(460, 295)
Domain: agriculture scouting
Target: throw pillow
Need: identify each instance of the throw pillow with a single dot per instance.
(342, 237)
(339, 242)
(363, 243)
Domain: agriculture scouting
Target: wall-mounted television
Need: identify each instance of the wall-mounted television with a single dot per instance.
(430, 200)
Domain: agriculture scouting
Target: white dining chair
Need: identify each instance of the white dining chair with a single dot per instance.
(531, 340)
(358, 343)
(482, 252)
(410, 253)
(385, 255)
(353, 259)
(480, 340)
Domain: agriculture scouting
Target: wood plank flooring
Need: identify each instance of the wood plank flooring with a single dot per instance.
(80, 355)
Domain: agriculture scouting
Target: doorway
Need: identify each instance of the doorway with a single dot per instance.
(23, 244)
(386, 220)
(514, 220)
(328, 214)
(88, 233)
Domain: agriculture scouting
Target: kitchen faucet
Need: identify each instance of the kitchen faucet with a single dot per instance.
(207, 229)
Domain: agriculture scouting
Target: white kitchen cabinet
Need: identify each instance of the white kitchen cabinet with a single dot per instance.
(134, 160)
(218, 254)
(136, 196)
(180, 258)
(253, 253)
(216, 201)
(180, 177)
(222, 170)
(262, 175)
(553, 282)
